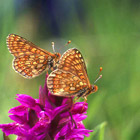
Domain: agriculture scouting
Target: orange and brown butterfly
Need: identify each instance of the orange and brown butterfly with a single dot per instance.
(70, 78)
(30, 60)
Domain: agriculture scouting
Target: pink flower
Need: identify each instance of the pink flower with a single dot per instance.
(47, 118)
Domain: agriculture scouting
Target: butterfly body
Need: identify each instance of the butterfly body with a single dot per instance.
(30, 60)
(70, 78)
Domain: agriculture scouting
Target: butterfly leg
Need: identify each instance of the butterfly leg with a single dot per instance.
(85, 99)
(76, 99)
(47, 72)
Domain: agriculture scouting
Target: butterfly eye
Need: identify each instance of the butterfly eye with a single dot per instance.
(59, 55)
(94, 88)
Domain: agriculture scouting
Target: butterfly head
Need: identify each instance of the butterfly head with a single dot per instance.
(94, 88)
(57, 57)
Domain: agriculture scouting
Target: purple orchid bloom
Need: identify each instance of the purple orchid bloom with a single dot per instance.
(47, 118)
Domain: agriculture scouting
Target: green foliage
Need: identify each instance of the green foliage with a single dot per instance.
(98, 132)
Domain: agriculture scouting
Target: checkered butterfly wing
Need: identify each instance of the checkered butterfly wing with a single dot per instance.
(70, 78)
(29, 60)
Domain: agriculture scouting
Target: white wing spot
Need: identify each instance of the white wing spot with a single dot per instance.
(50, 86)
(72, 88)
(39, 65)
(34, 71)
(80, 55)
(61, 90)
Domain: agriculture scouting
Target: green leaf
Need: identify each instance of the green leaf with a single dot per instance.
(102, 130)
(98, 129)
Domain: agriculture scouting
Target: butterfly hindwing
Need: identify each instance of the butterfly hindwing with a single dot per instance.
(63, 83)
(30, 66)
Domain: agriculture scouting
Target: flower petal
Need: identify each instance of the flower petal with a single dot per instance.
(79, 117)
(26, 137)
(26, 100)
(79, 133)
(45, 117)
(79, 107)
(18, 110)
(12, 128)
(39, 129)
(62, 132)
(49, 105)
(19, 119)
(58, 110)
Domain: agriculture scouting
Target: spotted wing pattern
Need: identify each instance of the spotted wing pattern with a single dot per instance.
(29, 60)
(70, 78)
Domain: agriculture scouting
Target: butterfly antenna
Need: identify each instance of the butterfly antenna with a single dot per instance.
(98, 78)
(98, 75)
(67, 43)
(53, 47)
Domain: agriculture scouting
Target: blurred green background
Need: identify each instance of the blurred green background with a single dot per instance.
(107, 32)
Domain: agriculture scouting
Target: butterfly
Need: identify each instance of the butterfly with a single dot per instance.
(70, 79)
(30, 60)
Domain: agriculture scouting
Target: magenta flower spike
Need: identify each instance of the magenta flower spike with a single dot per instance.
(47, 118)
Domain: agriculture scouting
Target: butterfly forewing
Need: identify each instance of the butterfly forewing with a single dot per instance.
(29, 60)
(71, 76)
(72, 61)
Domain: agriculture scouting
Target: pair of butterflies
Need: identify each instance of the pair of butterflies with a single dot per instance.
(69, 76)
